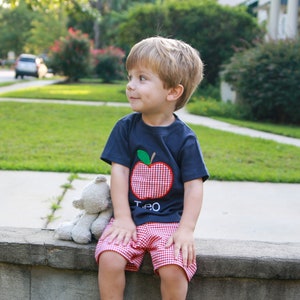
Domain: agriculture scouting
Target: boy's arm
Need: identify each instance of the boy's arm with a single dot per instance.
(183, 238)
(123, 227)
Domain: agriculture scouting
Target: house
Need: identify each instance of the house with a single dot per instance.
(280, 16)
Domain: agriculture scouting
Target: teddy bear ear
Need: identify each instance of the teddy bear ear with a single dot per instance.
(100, 178)
(77, 203)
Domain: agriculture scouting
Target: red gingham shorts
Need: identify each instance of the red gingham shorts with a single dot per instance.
(152, 238)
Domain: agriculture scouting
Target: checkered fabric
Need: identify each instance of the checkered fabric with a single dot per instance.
(151, 182)
(152, 238)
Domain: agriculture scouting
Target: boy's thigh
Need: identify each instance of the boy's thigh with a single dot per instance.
(130, 252)
(162, 256)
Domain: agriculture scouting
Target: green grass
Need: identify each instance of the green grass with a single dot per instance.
(83, 92)
(290, 131)
(89, 90)
(70, 138)
(230, 113)
(53, 137)
(6, 83)
(235, 157)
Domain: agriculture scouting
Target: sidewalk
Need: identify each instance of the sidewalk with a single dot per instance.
(231, 210)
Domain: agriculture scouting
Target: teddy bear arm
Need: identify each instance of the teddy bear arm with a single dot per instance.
(81, 232)
(100, 223)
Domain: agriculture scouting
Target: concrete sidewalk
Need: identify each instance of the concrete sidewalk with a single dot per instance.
(231, 210)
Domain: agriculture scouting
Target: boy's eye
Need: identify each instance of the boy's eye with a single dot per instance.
(129, 77)
(142, 78)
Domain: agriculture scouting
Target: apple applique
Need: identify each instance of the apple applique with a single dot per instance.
(150, 180)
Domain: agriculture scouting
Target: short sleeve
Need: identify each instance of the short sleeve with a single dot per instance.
(191, 160)
(117, 149)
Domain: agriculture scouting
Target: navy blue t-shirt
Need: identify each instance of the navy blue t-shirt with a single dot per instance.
(160, 160)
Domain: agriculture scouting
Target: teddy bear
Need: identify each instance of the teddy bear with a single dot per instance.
(96, 206)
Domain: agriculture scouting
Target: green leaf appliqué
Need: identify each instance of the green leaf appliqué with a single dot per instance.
(144, 157)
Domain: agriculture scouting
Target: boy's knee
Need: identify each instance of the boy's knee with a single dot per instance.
(113, 261)
(172, 273)
(174, 283)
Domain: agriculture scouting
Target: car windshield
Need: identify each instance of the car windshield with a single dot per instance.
(27, 59)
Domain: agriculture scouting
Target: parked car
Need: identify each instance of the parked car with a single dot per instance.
(30, 65)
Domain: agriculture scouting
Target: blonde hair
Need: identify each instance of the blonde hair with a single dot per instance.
(173, 60)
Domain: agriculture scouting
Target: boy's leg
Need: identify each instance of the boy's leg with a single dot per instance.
(111, 275)
(174, 283)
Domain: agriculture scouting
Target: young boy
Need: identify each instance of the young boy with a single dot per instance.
(157, 172)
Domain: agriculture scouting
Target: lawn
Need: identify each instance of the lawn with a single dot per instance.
(70, 138)
(82, 92)
(290, 131)
(97, 91)
(2, 84)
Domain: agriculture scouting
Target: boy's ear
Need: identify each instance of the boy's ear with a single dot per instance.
(175, 92)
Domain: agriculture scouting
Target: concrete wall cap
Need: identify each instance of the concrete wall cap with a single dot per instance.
(215, 258)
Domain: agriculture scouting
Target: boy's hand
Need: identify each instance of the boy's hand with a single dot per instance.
(121, 231)
(183, 241)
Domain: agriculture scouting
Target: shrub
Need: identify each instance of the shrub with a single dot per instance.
(108, 63)
(266, 79)
(212, 108)
(70, 56)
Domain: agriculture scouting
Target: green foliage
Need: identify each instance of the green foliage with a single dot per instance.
(38, 42)
(212, 108)
(108, 64)
(143, 21)
(266, 79)
(14, 29)
(23, 30)
(70, 56)
(209, 27)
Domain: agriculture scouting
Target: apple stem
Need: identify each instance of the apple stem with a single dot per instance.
(152, 157)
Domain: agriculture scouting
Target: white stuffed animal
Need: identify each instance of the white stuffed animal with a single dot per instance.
(95, 203)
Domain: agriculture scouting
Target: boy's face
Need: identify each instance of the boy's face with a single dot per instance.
(145, 91)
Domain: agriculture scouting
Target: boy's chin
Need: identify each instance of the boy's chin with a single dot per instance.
(134, 108)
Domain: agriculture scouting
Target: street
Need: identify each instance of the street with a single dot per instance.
(9, 76)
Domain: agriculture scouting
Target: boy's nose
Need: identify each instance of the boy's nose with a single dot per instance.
(130, 86)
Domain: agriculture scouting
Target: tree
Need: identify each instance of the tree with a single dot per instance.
(40, 37)
(15, 26)
(213, 29)
(24, 30)
(95, 24)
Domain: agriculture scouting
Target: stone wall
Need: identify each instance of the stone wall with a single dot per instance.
(36, 266)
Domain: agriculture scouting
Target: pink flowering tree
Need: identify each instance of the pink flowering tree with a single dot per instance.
(108, 63)
(70, 56)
